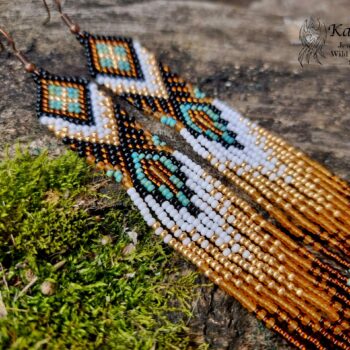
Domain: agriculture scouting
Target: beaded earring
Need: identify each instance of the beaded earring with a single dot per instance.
(287, 287)
(303, 196)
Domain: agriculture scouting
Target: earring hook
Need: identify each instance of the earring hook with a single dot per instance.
(48, 19)
(29, 67)
(73, 27)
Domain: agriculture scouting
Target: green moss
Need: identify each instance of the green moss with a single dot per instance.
(95, 295)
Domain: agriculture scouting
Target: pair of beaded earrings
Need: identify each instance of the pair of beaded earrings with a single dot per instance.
(272, 270)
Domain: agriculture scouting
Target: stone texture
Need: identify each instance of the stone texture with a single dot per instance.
(241, 51)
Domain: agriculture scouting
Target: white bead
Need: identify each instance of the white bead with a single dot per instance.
(220, 232)
(177, 233)
(204, 244)
(195, 237)
(195, 222)
(221, 167)
(288, 179)
(170, 224)
(240, 171)
(227, 203)
(217, 183)
(209, 234)
(151, 222)
(205, 221)
(218, 196)
(186, 241)
(167, 238)
(272, 177)
(230, 219)
(158, 231)
(246, 254)
(237, 237)
(209, 188)
(223, 211)
(219, 242)
(229, 230)
(131, 190)
(212, 215)
(220, 221)
(235, 248)
(226, 252)
(214, 204)
(227, 239)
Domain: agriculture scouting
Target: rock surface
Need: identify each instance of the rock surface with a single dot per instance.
(242, 51)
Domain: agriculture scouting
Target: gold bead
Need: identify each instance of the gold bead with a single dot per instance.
(259, 288)
(271, 284)
(228, 275)
(249, 279)
(281, 291)
(238, 283)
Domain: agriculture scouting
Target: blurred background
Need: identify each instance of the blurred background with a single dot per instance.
(244, 52)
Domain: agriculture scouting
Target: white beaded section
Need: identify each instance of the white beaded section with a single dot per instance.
(208, 221)
(205, 202)
(253, 155)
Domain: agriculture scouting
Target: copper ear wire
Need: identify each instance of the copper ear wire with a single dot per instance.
(73, 27)
(48, 19)
(29, 67)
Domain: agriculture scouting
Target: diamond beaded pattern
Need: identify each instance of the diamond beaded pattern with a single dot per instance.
(64, 106)
(115, 61)
(116, 56)
(63, 98)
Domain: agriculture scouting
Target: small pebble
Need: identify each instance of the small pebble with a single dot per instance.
(133, 236)
(128, 249)
(106, 240)
(48, 288)
(29, 275)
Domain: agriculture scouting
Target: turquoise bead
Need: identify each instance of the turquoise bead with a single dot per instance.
(124, 65)
(120, 50)
(106, 62)
(73, 93)
(118, 176)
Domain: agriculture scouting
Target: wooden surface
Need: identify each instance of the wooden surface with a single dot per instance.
(240, 51)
